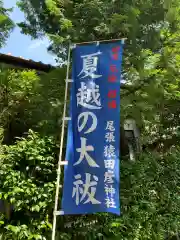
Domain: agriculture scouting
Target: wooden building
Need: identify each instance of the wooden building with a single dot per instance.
(19, 62)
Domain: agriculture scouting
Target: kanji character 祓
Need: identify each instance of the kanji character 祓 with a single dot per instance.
(87, 190)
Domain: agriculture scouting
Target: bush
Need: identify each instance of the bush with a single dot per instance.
(150, 203)
(149, 196)
(27, 183)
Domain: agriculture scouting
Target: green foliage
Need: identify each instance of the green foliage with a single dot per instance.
(30, 101)
(150, 186)
(48, 109)
(139, 21)
(17, 90)
(149, 203)
(151, 56)
(6, 24)
(149, 196)
(28, 166)
(27, 182)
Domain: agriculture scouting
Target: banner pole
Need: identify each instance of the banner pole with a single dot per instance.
(60, 162)
(104, 41)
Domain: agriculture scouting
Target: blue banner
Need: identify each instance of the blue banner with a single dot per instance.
(91, 178)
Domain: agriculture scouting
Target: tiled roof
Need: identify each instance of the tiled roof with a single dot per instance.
(24, 63)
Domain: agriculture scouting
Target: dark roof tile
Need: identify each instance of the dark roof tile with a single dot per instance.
(23, 63)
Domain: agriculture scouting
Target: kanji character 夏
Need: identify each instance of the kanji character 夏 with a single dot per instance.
(90, 63)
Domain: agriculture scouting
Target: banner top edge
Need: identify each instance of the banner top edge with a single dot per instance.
(101, 41)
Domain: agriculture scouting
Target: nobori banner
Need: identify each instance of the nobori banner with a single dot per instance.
(91, 178)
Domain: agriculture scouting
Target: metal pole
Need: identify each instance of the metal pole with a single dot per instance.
(61, 148)
(110, 40)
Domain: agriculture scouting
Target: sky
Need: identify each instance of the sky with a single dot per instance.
(21, 45)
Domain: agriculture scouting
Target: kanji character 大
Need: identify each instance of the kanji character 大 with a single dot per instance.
(83, 150)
